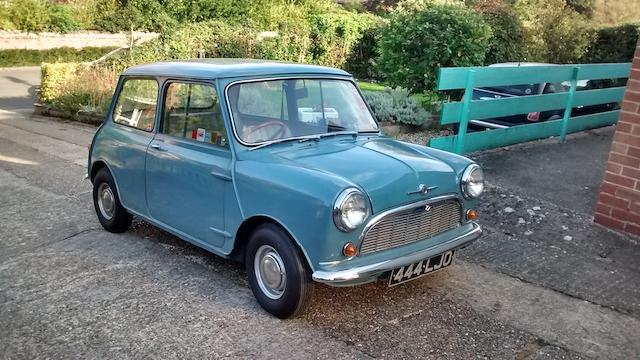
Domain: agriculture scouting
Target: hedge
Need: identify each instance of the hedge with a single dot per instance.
(74, 87)
(508, 38)
(325, 39)
(24, 57)
(614, 44)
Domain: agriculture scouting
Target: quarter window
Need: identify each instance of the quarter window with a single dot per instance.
(136, 105)
(192, 111)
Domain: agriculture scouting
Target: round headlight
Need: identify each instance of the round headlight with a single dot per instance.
(472, 182)
(350, 209)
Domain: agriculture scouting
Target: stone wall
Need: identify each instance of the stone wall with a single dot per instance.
(49, 40)
(619, 199)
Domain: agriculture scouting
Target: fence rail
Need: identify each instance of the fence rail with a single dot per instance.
(468, 78)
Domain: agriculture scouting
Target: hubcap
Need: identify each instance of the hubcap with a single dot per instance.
(106, 201)
(270, 272)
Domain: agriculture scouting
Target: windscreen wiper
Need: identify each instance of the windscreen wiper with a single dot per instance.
(278, 141)
(304, 138)
(333, 133)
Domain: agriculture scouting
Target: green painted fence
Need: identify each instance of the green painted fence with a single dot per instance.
(468, 78)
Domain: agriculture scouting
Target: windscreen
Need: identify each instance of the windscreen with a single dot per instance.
(270, 110)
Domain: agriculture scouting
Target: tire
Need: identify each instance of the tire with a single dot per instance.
(281, 298)
(111, 214)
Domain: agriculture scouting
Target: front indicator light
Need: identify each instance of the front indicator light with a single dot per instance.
(349, 250)
(472, 214)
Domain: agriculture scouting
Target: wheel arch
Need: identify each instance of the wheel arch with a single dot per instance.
(99, 165)
(249, 225)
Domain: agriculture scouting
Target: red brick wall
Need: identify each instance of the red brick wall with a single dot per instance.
(619, 199)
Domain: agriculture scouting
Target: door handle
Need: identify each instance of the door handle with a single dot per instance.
(221, 175)
(157, 147)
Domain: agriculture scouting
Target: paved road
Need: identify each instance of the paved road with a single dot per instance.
(18, 87)
(525, 291)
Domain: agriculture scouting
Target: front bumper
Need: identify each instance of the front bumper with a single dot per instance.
(367, 273)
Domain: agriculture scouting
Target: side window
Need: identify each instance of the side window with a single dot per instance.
(136, 104)
(192, 111)
(552, 88)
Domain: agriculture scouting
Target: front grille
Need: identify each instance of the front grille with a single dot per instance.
(410, 225)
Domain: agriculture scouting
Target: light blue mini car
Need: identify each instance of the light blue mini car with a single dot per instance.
(283, 167)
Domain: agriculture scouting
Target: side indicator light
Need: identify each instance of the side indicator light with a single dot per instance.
(472, 214)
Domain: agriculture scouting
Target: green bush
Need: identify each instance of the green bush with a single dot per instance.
(63, 20)
(333, 35)
(508, 33)
(209, 39)
(614, 44)
(119, 15)
(23, 57)
(362, 60)
(326, 40)
(535, 16)
(567, 38)
(108, 17)
(584, 7)
(417, 43)
(397, 106)
(553, 32)
(30, 15)
(52, 78)
(5, 18)
(73, 87)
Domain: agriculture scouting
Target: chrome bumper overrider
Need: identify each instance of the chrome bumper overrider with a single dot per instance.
(368, 273)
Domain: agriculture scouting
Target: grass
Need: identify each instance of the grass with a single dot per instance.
(24, 57)
(367, 86)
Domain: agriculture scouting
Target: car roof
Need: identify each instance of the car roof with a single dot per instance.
(226, 68)
(513, 64)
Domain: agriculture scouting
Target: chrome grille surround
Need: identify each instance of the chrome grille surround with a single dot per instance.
(410, 223)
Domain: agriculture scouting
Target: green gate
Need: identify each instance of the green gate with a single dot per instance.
(468, 78)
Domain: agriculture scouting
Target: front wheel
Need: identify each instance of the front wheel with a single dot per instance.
(277, 273)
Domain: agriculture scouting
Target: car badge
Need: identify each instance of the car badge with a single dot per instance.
(422, 189)
(427, 207)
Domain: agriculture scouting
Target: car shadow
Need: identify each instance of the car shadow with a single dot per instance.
(352, 301)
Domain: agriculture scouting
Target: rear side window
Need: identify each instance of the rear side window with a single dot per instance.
(136, 105)
(192, 111)
(517, 90)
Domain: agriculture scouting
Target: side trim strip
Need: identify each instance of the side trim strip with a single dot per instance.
(226, 234)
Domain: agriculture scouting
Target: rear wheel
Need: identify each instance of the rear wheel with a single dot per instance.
(277, 273)
(111, 214)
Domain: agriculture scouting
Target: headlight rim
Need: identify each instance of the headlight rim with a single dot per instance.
(464, 180)
(337, 208)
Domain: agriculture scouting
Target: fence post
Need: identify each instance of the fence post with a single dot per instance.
(569, 106)
(464, 116)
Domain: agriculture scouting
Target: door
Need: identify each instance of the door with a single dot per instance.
(188, 166)
(134, 117)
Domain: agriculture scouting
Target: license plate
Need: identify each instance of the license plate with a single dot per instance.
(421, 268)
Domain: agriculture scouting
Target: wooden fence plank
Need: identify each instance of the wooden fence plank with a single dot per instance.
(454, 78)
(484, 109)
(502, 137)
(598, 96)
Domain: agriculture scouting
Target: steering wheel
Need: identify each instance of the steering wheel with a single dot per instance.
(273, 123)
